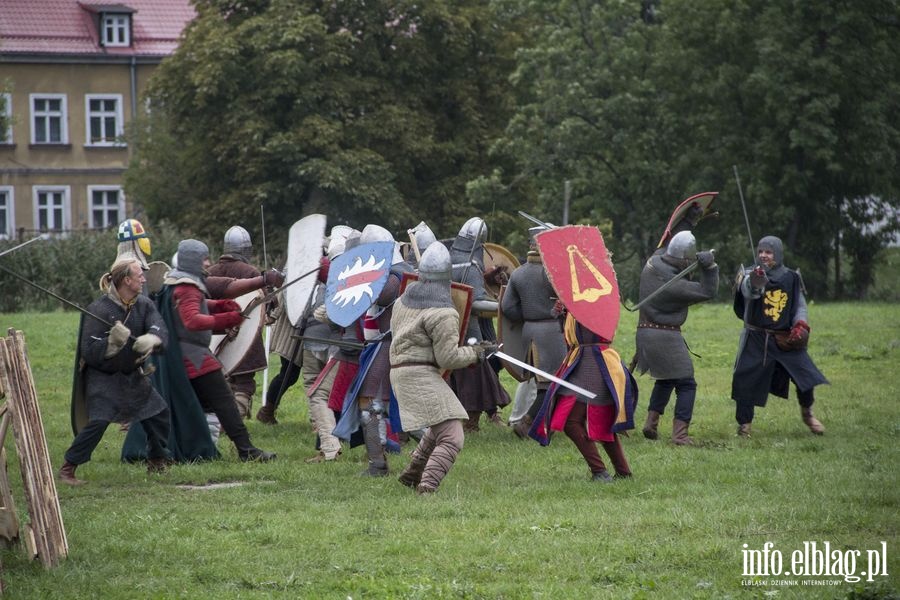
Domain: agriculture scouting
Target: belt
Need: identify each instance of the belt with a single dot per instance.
(651, 325)
(414, 364)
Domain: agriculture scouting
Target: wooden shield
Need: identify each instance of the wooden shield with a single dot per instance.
(496, 255)
(581, 272)
(304, 252)
(231, 351)
(460, 293)
(703, 201)
(509, 333)
(155, 274)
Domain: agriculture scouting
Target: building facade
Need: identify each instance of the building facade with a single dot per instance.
(71, 78)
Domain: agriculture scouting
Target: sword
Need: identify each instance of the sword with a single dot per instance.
(544, 374)
(257, 301)
(687, 271)
(331, 342)
(746, 218)
(536, 220)
(23, 244)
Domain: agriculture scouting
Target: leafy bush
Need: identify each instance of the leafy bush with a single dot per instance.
(69, 266)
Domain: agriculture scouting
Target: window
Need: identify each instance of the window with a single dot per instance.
(51, 208)
(6, 113)
(104, 119)
(115, 29)
(48, 119)
(7, 213)
(106, 206)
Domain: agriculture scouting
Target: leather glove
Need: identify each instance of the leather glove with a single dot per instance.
(229, 319)
(706, 259)
(144, 344)
(497, 276)
(799, 331)
(324, 265)
(273, 278)
(118, 335)
(758, 278)
(558, 310)
(228, 306)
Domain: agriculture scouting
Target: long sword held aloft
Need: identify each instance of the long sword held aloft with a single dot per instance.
(746, 217)
(536, 220)
(544, 374)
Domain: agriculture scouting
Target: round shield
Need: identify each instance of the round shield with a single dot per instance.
(304, 253)
(231, 350)
(155, 274)
(496, 255)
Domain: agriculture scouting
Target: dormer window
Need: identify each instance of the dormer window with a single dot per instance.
(115, 29)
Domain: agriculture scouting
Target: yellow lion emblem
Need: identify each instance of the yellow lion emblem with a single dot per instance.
(775, 301)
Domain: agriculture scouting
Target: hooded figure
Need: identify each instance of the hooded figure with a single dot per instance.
(772, 349)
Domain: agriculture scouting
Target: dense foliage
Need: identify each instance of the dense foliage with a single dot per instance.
(366, 111)
(393, 112)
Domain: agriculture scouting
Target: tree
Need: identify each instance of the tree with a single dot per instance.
(369, 111)
(641, 105)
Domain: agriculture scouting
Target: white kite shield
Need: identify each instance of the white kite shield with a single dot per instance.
(231, 350)
(304, 254)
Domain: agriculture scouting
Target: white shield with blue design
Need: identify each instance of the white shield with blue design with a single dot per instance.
(355, 280)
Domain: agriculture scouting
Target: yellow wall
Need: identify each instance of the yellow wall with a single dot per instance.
(75, 164)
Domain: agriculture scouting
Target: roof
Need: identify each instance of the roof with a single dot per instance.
(68, 27)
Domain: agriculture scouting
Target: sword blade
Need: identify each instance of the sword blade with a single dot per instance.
(687, 271)
(575, 388)
(536, 220)
(22, 245)
(257, 301)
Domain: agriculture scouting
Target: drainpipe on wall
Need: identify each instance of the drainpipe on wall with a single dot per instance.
(133, 87)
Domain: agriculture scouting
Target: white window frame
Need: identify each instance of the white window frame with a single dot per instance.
(120, 206)
(7, 138)
(10, 209)
(120, 25)
(118, 115)
(63, 116)
(59, 228)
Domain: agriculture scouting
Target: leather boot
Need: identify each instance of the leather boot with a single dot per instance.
(254, 454)
(650, 426)
(412, 474)
(67, 474)
(680, 435)
(522, 427)
(472, 424)
(813, 423)
(378, 466)
(266, 415)
(617, 457)
(603, 476)
(244, 403)
(744, 430)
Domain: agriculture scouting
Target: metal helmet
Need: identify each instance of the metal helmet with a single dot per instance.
(337, 240)
(190, 257)
(237, 241)
(533, 231)
(435, 264)
(682, 246)
(423, 235)
(474, 229)
(131, 230)
(353, 240)
(375, 233)
(775, 246)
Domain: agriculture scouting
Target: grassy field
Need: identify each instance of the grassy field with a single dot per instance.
(512, 520)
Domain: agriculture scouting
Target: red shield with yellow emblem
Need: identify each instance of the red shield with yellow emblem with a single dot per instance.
(582, 274)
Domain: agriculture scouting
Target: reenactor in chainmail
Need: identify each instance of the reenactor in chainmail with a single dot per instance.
(477, 386)
(530, 300)
(661, 349)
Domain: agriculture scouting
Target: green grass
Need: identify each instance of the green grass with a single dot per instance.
(512, 519)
